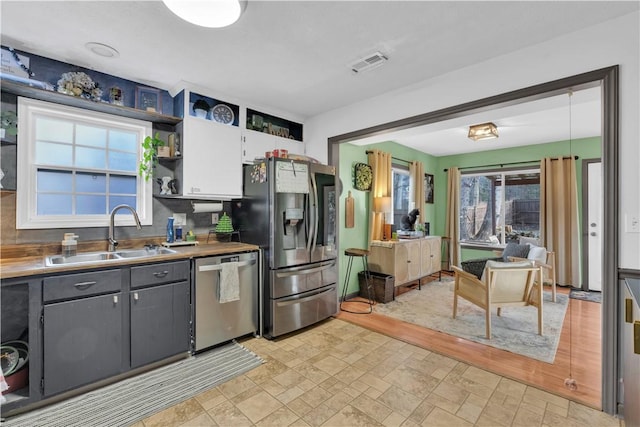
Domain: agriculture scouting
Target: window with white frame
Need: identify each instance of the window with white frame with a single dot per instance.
(499, 207)
(75, 166)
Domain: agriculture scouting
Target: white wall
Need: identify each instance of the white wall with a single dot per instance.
(615, 42)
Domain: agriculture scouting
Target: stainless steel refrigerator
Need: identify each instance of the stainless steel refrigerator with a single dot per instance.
(289, 210)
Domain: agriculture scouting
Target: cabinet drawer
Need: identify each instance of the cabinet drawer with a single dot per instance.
(81, 284)
(156, 274)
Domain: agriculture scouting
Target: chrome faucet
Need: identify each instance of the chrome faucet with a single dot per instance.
(113, 243)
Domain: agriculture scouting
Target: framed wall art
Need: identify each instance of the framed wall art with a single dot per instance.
(148, 99)
(428, 188)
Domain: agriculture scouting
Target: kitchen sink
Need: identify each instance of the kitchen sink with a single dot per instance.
(54, 260)
(137, 253)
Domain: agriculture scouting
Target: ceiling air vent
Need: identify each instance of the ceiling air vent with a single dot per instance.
(369, 62)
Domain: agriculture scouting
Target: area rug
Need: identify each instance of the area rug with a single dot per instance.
(133, 399)
(586, 295)
(516, 330)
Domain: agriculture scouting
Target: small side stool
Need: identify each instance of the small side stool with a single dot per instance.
(363, 254)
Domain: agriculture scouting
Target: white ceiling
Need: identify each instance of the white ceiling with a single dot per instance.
(547, 120)
(295, 55)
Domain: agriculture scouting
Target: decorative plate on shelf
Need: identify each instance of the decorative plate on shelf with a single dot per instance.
(362, 177)
(222, 113)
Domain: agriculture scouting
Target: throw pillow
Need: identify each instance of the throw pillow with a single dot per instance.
(529, 240)
(537, 253)
(515, 250)
(499, 264)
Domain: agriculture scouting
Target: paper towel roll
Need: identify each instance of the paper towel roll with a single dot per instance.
(206, 207)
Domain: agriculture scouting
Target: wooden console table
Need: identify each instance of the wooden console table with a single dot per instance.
(407, 260)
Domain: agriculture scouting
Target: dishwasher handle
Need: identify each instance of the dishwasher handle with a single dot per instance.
(218, 267)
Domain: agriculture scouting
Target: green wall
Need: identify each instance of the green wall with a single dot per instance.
(357, 237)
(587, 148)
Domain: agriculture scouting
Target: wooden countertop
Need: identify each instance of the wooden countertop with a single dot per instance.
(34, 265)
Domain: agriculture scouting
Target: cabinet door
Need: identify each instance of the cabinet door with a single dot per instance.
(159, 322)
(256, 144)
(435, 245)
(401, 264)
(212, 164)
(291, 145)
(430, 256)
(82, 342)
(414, 262)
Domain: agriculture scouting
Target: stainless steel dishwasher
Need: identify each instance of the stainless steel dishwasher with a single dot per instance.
(217, 322)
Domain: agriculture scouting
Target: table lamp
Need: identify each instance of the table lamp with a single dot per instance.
(383, 205)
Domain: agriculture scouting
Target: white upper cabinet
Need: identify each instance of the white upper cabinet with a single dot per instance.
(211, 149)
(256, 144)
(265, 133)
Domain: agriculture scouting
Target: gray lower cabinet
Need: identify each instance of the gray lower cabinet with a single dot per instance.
(101, 323)
(159, 322)
(82, 329)
(82, 342)
(160, 310)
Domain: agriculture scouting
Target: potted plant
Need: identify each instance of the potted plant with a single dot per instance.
(8, 123)
(201, 108)
(149, 155)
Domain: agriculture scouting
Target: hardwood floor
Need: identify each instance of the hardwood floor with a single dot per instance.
(578, 356)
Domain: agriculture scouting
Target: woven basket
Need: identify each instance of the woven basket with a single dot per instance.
(383, 286)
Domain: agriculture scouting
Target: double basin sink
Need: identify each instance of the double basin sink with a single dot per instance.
(93, 257)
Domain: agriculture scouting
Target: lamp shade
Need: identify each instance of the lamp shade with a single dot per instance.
(206, 13)
(483, 131)
(382, 204)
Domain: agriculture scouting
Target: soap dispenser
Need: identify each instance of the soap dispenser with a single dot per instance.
(69, 244)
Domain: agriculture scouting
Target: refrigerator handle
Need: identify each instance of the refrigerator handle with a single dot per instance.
(307, 220)
(314, 209)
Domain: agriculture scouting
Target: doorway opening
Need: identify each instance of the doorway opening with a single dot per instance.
(607, 80)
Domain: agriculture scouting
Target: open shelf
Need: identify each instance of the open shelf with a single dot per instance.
(73, 101)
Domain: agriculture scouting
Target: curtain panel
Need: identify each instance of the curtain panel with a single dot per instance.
(559, 217)
(380, 163)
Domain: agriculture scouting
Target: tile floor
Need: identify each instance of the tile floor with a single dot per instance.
(339, 374)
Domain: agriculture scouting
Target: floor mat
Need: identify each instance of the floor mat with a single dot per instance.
(133, 399)
(592, 296)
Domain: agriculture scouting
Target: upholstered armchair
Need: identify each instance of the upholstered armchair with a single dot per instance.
(502, 285)
(522, 251)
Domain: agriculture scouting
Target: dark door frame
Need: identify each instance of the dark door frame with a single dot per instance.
(608, 80)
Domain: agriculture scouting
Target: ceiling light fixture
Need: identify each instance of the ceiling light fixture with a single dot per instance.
(102, 49)
(483, 131)
(207, 13)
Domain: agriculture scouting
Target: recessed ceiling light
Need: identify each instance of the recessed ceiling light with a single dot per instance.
(102, 50)
(207, 13)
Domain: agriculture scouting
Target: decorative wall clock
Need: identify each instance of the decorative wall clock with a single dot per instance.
(363, 177)
(222, 113)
